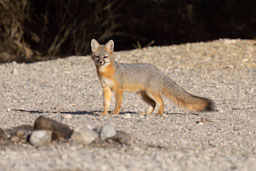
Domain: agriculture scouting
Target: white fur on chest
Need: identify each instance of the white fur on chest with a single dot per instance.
(106, 82)
(103, 68)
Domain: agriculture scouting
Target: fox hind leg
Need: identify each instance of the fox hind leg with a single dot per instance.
(158, 101)
(149, 101)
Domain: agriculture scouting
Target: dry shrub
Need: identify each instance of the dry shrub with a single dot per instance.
(30, 29)
(12, 44)
(66, 27)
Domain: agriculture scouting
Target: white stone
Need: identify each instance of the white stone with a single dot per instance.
(40, 137)
(84, 135)
(67, 116)
(200, 123)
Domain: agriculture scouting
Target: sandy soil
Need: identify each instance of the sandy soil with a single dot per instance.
(68, 91)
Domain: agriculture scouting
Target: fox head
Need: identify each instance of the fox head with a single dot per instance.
(102, 54)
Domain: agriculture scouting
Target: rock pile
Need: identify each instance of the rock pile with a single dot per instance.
(46, 130)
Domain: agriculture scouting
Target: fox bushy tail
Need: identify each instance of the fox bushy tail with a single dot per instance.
(183, 99)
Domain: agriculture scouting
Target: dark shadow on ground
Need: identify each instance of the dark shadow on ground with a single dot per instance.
(95, 112)
(62, 112)
(185, 113)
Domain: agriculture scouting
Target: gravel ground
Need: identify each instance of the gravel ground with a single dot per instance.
(68, 91)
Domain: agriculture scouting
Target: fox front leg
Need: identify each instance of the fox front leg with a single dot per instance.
(107, 98)
(119, 99)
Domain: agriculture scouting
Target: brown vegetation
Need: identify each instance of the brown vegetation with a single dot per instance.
(32, 29)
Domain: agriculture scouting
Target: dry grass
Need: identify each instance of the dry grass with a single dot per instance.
(30, 30)
(13, 14)
(51, 28)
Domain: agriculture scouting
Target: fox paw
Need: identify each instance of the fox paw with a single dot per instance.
(114, 112)
(104, 113)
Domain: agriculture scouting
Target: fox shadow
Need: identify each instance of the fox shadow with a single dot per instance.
(61, 112)
(93, 112)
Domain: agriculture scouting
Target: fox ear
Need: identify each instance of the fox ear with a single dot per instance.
(110, 46)
(94, 45)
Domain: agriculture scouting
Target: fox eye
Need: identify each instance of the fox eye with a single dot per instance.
(105, 57)
(97, 57)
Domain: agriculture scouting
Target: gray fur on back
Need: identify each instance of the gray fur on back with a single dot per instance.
(141, 74)
(148, 75)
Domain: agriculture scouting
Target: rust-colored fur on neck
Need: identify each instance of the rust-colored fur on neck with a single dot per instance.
(106, 71)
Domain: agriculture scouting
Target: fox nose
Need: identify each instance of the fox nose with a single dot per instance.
(101, 62)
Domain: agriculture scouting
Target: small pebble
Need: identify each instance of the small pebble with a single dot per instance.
(14, 71)
(245, 60)
(142, 116)
(164, 115)
(67, 116)
(200, 123)
(127, 116)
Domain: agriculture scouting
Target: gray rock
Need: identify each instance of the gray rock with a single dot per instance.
(123, 138)
(107, 131)
(40, 137)
(84, 135)
(19, 133)
(3, 137)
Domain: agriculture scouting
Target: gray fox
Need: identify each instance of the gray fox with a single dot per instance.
(145, 79)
